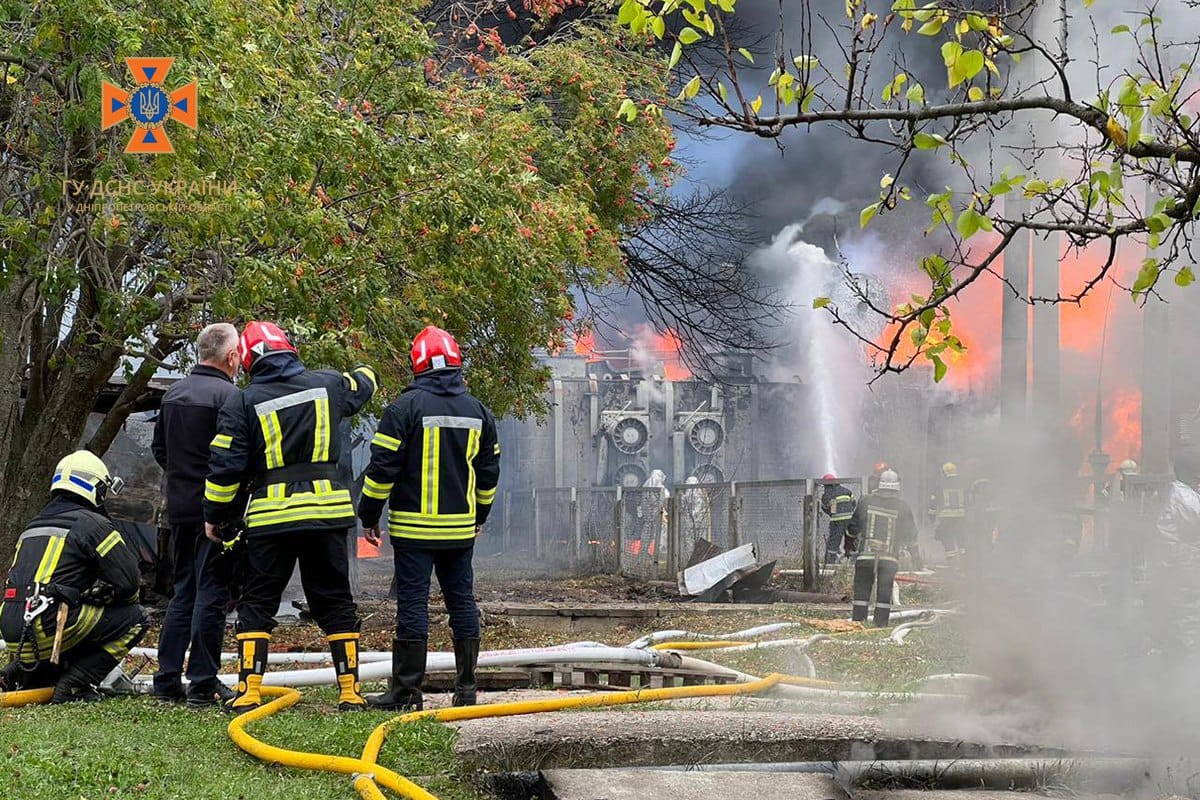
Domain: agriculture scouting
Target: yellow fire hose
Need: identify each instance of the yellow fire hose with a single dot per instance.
(26, 697)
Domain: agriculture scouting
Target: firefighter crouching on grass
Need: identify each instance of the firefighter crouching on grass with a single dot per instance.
(71, 566)
(277, 442)
(435, 460)
(886, 523)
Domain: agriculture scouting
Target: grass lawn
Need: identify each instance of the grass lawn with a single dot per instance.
(136, 747)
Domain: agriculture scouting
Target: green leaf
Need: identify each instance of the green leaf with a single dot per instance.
(690, 36)
(723, 92)
(659, 26)
(676, 54)
(976, 22)
(975, 94)
(931, 28)
(867, 214)
(967, 223)
(951, 52)
(1147, 276)
(916, 94)
(925, 141)
(1184, 277)
(805, 62)
(692, 88)
(1121, 29)
(757, 104)
(628, 110)
(971, 63)
(939, 369)
(628, 10)
(820, 302)
(746, 54)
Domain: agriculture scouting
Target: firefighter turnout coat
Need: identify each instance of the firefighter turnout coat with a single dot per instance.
(71, 552)
(887, 523)
(277, 442)
(436, 461)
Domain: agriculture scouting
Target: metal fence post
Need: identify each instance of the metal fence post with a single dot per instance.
(537, 527)
(574, 525)
(735, 502)
(619, 528)
(673, 533)
(808, 542)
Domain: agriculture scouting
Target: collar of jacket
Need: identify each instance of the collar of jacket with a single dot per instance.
(64, 503)
(276, 367)
(443, 382)
(205, 369)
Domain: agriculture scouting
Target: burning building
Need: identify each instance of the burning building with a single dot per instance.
(616, 416)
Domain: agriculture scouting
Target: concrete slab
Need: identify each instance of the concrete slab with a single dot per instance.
(587, 784)
(971, 794)
(630, 738)
(591, 618)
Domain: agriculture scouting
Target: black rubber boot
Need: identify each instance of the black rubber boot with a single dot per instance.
(466, 656)
(408, 673)
(83, 674)
(344, 648)
(252, 665)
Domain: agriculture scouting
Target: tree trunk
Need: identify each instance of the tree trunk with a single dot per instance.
(57, 432)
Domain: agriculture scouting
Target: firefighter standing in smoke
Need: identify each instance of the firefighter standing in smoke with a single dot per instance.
(435, 460)
(72, 567)
(885, 525)
(277, 441)
(949, 508)
(838, 502)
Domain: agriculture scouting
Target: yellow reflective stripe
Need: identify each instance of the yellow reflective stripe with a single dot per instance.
(326, 498)
(117, 648)
(409, 532)
(426, 519)
(386, 442)
(353, 381)
(50, 557)
(222, 440)
(369, 374)
(426, 446)
(217, 493)
(496, 449)
(376, 490)
(485, 496)
(299, 515)
(321, 434)
(110, 541)
(273, 438)
(473, 436)
(277, 491)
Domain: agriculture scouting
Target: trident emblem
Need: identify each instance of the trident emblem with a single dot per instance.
(149, 105)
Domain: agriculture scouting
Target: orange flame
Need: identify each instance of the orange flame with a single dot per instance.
(585, 345)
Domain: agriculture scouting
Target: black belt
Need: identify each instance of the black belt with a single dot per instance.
(298, 473)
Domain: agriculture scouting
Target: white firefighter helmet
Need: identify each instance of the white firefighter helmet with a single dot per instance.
(889, 481)
(692, 479)
(83, 473)
(1128, 467)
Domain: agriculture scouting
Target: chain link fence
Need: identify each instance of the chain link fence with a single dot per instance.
(643, 528)
(554, 526)
(599, 539)
(771, 515)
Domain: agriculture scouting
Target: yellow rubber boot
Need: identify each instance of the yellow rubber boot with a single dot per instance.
(252, 665)
(344, 647)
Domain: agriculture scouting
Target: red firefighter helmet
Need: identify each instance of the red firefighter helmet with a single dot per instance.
(829, 476)
(434, 349)
(260, 339)
(880, 467)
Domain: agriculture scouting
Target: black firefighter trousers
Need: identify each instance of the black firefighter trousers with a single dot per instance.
(324, 573)
(872, 570)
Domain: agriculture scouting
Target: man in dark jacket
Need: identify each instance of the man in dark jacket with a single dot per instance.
(277, 442)
(186, 425)
(436, 460)
(881, 527)
(71, 565)
(838, 502)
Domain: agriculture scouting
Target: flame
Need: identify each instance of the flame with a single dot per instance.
(666, 347)
(585, 345)
(1104, 317)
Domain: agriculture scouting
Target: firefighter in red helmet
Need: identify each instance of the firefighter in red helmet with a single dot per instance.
(277, 444)
(435, 460)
